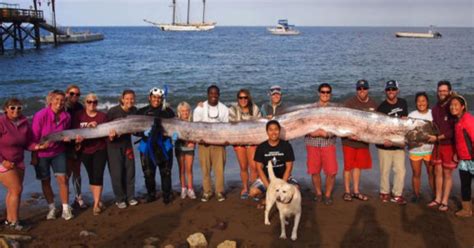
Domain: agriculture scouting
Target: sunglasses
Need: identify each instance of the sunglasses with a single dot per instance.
(243, 97)
(362, 88)
(325, 92)
(74, 94)
(13, 108)
(391, 89)
(95, 102)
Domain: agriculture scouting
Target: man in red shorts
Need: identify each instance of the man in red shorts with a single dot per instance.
(443, 151)
(356, 153)
(321, 152)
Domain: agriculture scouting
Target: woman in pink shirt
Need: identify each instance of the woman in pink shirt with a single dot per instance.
(15, 137)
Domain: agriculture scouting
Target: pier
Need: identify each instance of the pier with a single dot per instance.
(18, 25)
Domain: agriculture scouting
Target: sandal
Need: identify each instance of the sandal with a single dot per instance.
(360, 196)
(318, 198)
(443, 207)
(261, 206)
(347, 197)
(244, 195)
(433, 204)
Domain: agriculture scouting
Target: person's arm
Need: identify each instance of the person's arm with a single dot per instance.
(288, 169)
(225, 116)
(261, 174)
(233, 113)
(257, 112)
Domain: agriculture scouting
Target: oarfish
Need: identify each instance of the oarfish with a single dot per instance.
(370, 127)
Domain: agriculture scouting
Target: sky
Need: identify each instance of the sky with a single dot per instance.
(442, 13)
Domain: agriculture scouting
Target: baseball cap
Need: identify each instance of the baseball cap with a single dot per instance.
(275, 89)
(362, 83)
(391, 84)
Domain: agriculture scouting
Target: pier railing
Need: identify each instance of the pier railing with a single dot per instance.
(20, 15)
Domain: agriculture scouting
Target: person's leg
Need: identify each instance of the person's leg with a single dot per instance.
(438, 182)
(316, 179)
(60, 172)
(385, 161)
(398, 167)
(314, 165)
(149, 171)
(253, 168)
(188, 162)
(74, 173)
(430, 170)
(11, 180)
(165, 174)
(205, 162)
(180, 158)
(116, 158)
(218, 157)
(129, 173)
(416, 176)
(349, 157)
(448, 184)
(241, 154)
(466, 181)
(329, 162)
(330, 180)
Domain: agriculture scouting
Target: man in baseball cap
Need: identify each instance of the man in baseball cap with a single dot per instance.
(275, 105)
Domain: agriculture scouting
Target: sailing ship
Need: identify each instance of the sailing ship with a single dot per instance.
(188, 26)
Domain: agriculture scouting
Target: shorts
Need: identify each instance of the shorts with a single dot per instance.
(356, 158)
(424, 157)
(244, 146)
(58, 163)
(321, 157)
(178, 151)
(443, 155)
(260, 186)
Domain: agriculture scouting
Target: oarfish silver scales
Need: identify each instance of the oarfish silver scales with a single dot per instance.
(369, 127)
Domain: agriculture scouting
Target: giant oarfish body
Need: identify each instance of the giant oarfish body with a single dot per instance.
(369, 127)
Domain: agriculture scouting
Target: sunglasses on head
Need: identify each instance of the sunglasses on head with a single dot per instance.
(95, 102)
(243, 97)
(391, 89)
(74, 94)
(13, 108)
(325, 92)
(362, 88)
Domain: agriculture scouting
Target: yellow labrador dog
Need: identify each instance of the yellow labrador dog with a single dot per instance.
(288, 201)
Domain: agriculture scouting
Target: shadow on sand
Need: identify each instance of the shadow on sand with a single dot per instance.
(365, 231)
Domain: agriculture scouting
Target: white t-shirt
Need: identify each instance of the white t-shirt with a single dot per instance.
(208, 113)
(425, 149)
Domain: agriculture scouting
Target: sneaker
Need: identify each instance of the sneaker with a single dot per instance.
(121, 205)
(191, 194)
(398, 200)
(79, 203)
(184, 192)
(96, 211)
(220, 197)
(51, 214)
(206, 197)
(384, 197)
(150, 198)
(133, 202)
(67, 214)
(16, 226)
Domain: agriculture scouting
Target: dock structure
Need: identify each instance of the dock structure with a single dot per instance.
(18, 25)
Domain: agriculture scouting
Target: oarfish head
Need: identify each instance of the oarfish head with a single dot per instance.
(420, 134)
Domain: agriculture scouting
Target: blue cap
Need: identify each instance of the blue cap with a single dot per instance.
(391, 84)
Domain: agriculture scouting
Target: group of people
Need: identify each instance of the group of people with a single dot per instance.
(451, 148)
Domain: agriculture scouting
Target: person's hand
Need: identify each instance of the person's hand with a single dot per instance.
(319, 133)
(92, 124)
(174, 136)
(79, 139)
(147, 132)
(455, 158)
(112, 134)
(66, 139)
(387, 143)
(432, 138)
(42, 146)
(8, 165)
(190, 144)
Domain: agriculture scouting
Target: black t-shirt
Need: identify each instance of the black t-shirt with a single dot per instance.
(283, 153)
(116, 113)
(399, 109)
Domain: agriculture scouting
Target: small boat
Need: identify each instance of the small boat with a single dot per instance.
(431, 34)
(72, 37)
(283, 28)
(188, 26)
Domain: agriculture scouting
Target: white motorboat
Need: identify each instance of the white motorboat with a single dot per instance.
(72, 37)
(431, 34)
(283, 28)
(188, 26)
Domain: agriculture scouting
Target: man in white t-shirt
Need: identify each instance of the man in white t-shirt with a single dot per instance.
(212, 156)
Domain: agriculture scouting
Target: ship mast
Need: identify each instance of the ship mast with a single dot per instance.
(203, 10)
(189, 5)
(174, 12)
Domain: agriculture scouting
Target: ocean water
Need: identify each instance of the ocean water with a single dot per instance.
(241, 57)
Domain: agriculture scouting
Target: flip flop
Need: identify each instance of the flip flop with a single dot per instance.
(360, 197)
(433, 204)
(347, 197)
(244, 196)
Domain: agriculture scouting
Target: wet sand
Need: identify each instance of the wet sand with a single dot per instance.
(344, 224)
